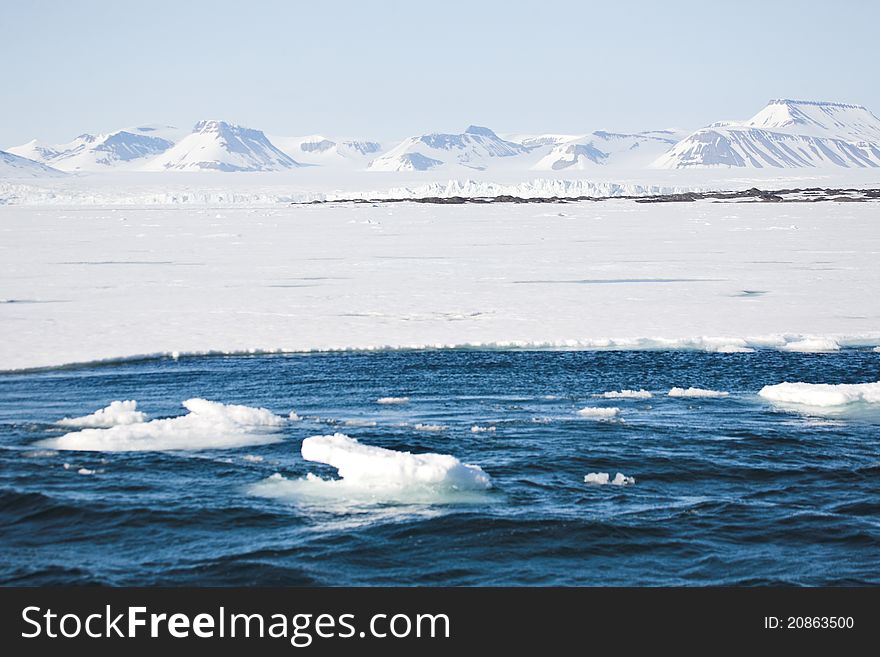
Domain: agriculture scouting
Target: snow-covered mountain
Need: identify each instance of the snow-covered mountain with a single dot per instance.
(220, 146)
(96, 152)
(15, 166)
(319, 150)
(603, 148)
(476, 148)
(786, 133)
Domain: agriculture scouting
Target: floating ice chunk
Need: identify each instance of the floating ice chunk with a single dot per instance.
(392, 400)
(85, 471)
(117, 413)
(812, 346)
(359, 423)
(293, 417)
(599, 413)
(379, 467)
(478, 429)
(431, 427)
(626, 394)
(697, 392)
(822, 394)
(603, 478)
(876, 350)
(208, 425)
(362, 503)
(252, 458)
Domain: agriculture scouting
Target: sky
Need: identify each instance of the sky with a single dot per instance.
(385, 70)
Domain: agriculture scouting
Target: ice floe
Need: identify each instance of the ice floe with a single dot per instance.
(117, 413)
(480, 429)
(596, 413)
(603, 478)
(382, 468)
(359, 423)
(208, 425)
(697, 393)
(822, 394)
(626, 394)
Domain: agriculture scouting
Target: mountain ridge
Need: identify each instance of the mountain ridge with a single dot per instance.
(784, 133)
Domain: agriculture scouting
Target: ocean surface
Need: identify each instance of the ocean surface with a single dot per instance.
(727, 490)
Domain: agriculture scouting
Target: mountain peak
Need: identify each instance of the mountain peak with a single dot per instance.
(817, 118)
(212, 125)
(814, 103)
(786, 133)
(479, 130)
(221, 146)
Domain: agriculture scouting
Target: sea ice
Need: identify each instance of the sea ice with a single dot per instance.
(381, 468)
(822, 394)
(117, 413)
(208, 425)
(697, 393)
(497, 278)
(626, 394)
(595, 413)
(603, 478)
(480, 429)
(812, 346)
(430, 427)
(359, 423)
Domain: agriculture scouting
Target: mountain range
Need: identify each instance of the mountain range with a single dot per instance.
(784, 134)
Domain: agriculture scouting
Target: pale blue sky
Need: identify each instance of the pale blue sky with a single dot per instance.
(391, 69)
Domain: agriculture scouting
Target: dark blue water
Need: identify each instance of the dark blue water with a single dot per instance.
(728, 491)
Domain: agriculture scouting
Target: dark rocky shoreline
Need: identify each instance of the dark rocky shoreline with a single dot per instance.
(752, 195)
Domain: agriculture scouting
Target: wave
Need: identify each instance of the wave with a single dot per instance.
(387, 401)
(208, 425)
(697, 393)
(117, 413)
